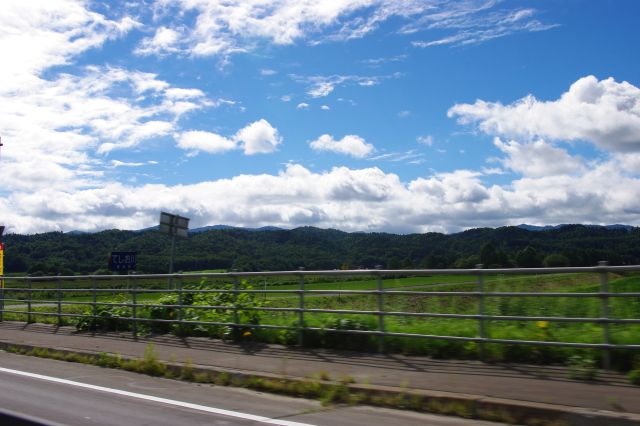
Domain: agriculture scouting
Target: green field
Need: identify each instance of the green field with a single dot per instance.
(497, 306)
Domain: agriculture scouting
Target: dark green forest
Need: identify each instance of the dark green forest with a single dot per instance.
(315, 249)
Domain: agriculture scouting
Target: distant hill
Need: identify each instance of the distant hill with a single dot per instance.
(195, 230)
(549, 227)
(218, 227)
(270, 248)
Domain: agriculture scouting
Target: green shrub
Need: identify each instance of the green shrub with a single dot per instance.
(582, 368)
(340, 340)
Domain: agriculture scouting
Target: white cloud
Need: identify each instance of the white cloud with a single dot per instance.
(179, 93)
(461, 186)
(425, 140)
(118, 163)
(224, 28)
(285, 98)
(302, 105)
(267, 71)
(321, 86)
(211, 143)
(376, 62)
(605, 113)
(55, 124)
(538, 159)
(259, 137)
(354, 200)
(474, 22)
(325, 107)
(408, 157)
(492, 171)
(38, 35)
(352, 145)
(629, 163)
(404, 114)
(165, 41)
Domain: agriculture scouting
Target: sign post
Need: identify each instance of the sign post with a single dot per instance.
(1, 260)
(1, 263)
(1, 274)
(175, 226)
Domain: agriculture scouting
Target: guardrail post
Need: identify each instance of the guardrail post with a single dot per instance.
(301, 310)
(481, 324)
(134, 313)
(30, 293)
(171, 260)
(236, 318)
(59, 298)
(1, 300)
(180, 299)
(94, 301)
(134, 307)
(381, 328)
(604, 312)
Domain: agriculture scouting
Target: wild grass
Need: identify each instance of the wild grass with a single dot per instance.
(111, 317)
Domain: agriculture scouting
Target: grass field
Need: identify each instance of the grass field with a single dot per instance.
(498, 306)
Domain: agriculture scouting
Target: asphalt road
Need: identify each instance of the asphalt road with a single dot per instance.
(75, 394)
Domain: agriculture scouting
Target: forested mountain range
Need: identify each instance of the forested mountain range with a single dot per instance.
(313, 248)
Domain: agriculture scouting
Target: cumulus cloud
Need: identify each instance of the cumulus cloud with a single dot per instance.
(354, 200)
(212, 143)
(38, 35)
(259, 137)
(302, 105)
(605, 113)
(165, 41)
(57, 126)
(352, 145)
(538, 159)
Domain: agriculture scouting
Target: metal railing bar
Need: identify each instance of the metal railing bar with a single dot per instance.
(364, 292)
(302, 287)
(357, 272)
(355, 312)
(369, 332)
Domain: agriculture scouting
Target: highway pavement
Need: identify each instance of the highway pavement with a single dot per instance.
(61, 393)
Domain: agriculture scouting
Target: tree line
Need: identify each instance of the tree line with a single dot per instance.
(315, 249)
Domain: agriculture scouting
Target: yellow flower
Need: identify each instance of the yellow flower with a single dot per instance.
(246, 334)
(542, 324)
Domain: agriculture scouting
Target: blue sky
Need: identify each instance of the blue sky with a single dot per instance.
(361, 115)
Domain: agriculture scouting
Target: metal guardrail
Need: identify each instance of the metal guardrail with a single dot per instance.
(380, 293)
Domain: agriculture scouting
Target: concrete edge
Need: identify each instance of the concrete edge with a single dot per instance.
(438, 402)
(14, 418)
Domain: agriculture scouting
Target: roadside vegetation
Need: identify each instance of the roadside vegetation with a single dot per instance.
(328, 390)
(207, 313)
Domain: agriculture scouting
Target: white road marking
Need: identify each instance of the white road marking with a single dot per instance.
(198, 407)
